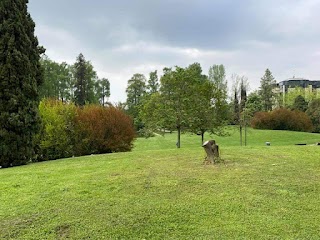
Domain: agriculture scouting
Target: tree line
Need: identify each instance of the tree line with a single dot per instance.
(185, 99)
(76, 83)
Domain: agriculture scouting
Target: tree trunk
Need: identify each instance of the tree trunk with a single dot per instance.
(245, 134)
(212, 151)
(179, 132)
(240, 135)
(202, 136)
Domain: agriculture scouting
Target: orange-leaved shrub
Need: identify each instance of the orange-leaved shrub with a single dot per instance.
(103, 130)
(282, 119)
(68, 130)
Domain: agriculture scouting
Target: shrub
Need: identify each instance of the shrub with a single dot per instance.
(56, 139)
(68, 130)
(313, 112)
(103, 130)
(261, 120)
(282, 119)
(146, 133)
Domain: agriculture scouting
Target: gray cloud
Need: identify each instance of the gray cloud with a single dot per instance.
(123, 37)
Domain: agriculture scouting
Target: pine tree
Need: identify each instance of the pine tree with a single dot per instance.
(80, 76)
(20, 77)
(267, 83)
(85, 78)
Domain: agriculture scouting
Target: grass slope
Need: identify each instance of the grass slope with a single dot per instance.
(159, 192)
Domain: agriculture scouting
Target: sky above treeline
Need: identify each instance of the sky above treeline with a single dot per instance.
(124, 37)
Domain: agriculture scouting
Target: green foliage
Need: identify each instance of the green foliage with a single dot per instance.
(300, 104)
(293, 93)
(102, 130)
(188, 101)
(239, 92)
(179, 94)
(151, 113)
(236, 108)
(20, 78)
(266, 86)
(136, 91)
(85, 78)
(313, 112)
(282, 119)
(219, 96)
(254, 103)
(102, 89)
(153, 83)
(146, 133)
(210, 108)
(57, 137)
(78, 83)
(58, 82)
(69, 130)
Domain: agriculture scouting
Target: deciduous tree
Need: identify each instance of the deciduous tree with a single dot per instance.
(57, 80)
(102, 89)
(153, 83)
(136, 90)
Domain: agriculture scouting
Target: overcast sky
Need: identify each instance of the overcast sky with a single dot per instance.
(123, 37)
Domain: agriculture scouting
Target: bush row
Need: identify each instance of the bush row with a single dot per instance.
(282, 119)
(68, 130)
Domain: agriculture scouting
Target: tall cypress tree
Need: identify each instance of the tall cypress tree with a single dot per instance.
(20, 76)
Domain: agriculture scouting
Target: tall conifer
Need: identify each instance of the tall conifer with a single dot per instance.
(20, 76)
(266, 85)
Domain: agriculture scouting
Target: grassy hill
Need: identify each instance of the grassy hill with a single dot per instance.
(160, 192)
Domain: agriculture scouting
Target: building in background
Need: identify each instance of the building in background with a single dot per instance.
(309, 88)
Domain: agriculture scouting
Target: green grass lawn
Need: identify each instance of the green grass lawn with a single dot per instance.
(160, 192)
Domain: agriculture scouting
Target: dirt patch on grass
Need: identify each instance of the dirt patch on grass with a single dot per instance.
(62, 231)
(12, 228)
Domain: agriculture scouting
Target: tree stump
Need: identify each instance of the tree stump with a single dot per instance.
(212, 151)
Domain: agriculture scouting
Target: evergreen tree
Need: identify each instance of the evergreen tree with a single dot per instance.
(267, 83)
(85, 78)
(20, 77)
(80, 93)
(300, 104)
